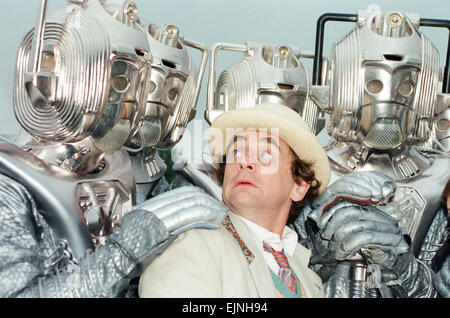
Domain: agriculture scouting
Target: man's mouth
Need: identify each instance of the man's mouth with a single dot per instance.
(244, 183)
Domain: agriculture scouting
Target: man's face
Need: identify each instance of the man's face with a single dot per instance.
(258, 173)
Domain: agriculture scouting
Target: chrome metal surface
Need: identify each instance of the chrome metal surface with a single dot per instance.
(383, 80)
(175, 84)
(266, 73)
(202, 175)
(92, 80)
(62, 197)
(383, 106)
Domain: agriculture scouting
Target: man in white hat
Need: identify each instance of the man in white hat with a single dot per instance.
(274, 165)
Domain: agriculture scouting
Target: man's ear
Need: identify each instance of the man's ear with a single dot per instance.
(299, 191)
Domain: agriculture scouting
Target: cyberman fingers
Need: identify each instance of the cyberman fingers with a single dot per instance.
(361, 187)
(345, 212)
(186, 208)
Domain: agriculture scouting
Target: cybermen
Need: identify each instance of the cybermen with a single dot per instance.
(240, 85)
(381, 95)
(275, 73)
(67, 224)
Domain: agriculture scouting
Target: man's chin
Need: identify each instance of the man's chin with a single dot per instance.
(243, 198)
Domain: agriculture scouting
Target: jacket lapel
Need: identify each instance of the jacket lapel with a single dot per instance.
(260, 271)
(257, 266)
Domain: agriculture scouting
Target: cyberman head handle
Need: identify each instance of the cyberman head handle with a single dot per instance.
(266, 73)
(394, 73)
(81, 82)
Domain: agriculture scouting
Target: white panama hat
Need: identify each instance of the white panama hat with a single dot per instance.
(291, 127)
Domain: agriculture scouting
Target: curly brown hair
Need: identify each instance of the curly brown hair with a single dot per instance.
(301, 171)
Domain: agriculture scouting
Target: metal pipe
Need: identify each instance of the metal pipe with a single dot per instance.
(212, 69)
(324, 18)
(440, 23)
(202, 66)
(38, 36)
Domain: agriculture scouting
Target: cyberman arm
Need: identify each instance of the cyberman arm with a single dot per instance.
(344, 222)
(440, 263)
(442, 279)
(420, 274)
(105, 272)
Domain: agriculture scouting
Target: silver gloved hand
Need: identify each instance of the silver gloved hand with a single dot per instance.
(186, 208)
(351, 228)
(177, 210)
(363, 188)
(346, 220)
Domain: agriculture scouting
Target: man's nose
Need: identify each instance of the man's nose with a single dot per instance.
(249, 165)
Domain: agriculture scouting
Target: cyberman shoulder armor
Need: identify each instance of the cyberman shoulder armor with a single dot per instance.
(82, 210)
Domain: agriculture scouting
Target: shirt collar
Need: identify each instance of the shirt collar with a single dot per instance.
(287, 242)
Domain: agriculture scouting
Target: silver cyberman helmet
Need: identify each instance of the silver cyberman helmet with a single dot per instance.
(174, 87)
(82, 76)
(442, 128)
(266, 73)
(382, 82)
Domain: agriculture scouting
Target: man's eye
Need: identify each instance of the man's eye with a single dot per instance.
(236, 153)
(266, 156)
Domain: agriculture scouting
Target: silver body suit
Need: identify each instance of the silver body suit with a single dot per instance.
(380, 121)
(47, 248)
(417, 207)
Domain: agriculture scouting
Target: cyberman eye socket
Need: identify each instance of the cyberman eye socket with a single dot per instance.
(406, 89)
(152, 87)
(173, 88)
(374, 86)
(120, 83)
(172, 94)
(443, 124)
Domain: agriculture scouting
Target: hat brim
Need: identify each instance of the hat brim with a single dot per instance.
(291, 128)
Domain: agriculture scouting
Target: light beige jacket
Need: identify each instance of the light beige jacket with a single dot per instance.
(211, 263)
